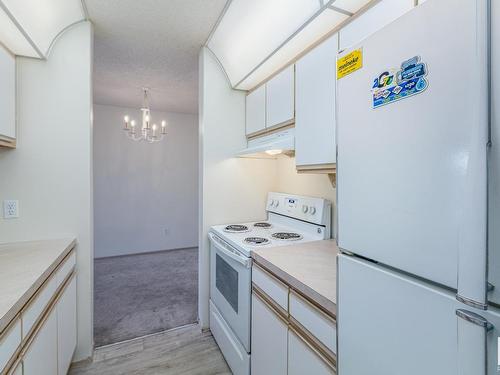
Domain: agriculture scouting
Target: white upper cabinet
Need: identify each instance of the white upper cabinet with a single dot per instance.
(280, 98)
(7, 98)
(315, 106)
(374, 19)
(256, 110)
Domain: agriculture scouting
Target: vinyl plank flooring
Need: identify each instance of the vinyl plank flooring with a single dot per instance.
(181, 351)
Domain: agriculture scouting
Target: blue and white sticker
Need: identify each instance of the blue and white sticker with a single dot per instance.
(393, 85)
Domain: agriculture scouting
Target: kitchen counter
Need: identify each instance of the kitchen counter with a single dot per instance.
(24, 266)
(310, 268)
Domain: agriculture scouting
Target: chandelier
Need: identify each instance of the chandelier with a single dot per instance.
(148, 132)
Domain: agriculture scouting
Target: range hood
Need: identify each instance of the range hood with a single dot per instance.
(270, 146)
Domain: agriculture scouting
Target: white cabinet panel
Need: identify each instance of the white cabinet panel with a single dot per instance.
(316, 322)
(379, 309)
(37, 306)
(18, 370)
(9, 343)
(280, 97)
(7, 94)
(256, 110)
(315, 105)
(269, 340)
(41, 356)
(372, 20)
(271, 286)
(66, 327)
(303, 360)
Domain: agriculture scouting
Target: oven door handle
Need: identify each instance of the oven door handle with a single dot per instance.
(227, 251)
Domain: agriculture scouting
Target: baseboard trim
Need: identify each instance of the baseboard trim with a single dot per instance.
(147, 252)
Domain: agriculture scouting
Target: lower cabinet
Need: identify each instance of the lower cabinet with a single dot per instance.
(41, 356)
(66, 327)
(269, 340)
(47, 346)
(292, 338)
(18, 370)
(302, 359)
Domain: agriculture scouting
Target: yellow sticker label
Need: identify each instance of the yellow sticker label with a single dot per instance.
(349, 63)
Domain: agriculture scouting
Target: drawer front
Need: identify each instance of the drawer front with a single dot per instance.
(9, 343)
(271, 286)
(315, 321)
(37, 305)
(65, 269)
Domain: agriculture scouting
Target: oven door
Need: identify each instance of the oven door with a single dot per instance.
(230, 287)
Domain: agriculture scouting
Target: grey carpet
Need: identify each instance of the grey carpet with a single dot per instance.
(136, 295)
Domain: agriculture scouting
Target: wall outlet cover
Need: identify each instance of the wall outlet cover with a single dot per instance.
(10, 209)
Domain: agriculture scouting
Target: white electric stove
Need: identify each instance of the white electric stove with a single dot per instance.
(290, 219)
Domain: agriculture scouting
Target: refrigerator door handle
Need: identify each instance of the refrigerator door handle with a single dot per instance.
(472, 332)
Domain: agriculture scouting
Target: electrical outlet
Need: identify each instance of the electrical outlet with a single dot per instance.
(10, 209)
(165, 232)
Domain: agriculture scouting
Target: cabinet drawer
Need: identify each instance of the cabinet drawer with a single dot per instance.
(315, 321)
(65, 268)
(9, 343)
(38, 304)
(303, 359)
(271, 286)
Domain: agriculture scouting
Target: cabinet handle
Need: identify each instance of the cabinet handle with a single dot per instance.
(472, 338)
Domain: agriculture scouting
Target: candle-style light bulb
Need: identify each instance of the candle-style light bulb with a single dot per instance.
(163, 127)
(126, 123)
(132, 124)
(155, 127)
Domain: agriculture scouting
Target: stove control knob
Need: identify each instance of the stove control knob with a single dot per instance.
(277, 203)
(312, 210)
(305, 209)
(271, 203)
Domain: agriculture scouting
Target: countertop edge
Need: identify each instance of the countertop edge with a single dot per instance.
(297, 285)
(25, 298)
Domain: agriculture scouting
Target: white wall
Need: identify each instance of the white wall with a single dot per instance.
(141, 189)
(231, 189)
(50, 171)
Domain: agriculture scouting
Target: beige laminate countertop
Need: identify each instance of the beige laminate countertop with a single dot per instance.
(24, 266)
(310, 268)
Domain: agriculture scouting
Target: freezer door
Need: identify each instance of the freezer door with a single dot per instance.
(494, 159)
(391, 324)
(411, 173)
(493, 337)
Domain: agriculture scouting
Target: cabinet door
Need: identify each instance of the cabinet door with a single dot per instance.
(315, 105)
(280, 98)
(256, 110)
(41, 356)
(372, 20)
(7, 94)
(18, 370)
(66, 327)
(303, 360)
(269, 340)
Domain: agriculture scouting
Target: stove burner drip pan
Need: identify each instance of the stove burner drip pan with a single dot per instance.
(236, 228)
(257, 241)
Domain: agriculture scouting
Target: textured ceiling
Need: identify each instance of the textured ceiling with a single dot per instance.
(152, 43)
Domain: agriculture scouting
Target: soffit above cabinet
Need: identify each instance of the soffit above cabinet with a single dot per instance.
(29, 27)
(254, 39)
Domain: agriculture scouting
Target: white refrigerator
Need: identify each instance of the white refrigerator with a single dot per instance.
(418, 194)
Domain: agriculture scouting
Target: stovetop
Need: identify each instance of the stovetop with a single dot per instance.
(265, 234)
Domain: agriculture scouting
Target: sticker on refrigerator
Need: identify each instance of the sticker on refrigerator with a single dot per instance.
(349, 63)
(396, 84)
